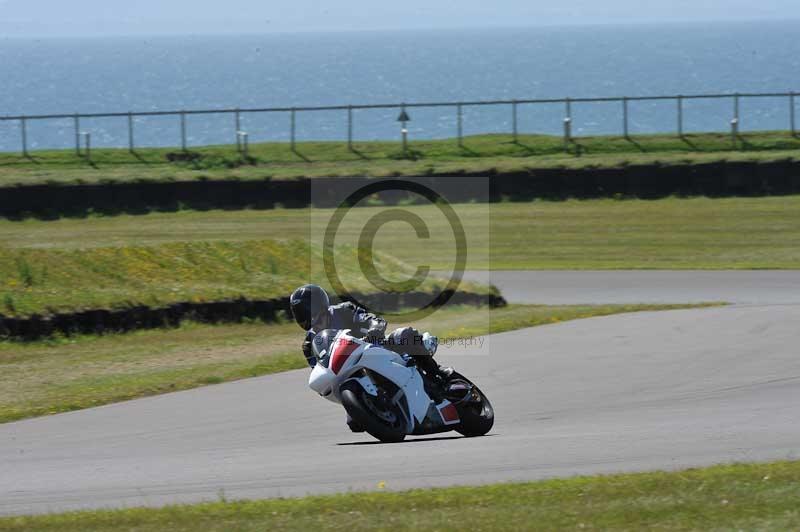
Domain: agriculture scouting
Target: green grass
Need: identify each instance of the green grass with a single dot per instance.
(479, 153)
(48, 281)
(696, 233)
(64, 374)
(725, 497)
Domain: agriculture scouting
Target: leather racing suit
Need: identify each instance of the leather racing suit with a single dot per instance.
(368, 326)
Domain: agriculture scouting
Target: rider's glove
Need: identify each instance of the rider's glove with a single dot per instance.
(308, 349)
(410, 361)
(375, 336)
(430, 342)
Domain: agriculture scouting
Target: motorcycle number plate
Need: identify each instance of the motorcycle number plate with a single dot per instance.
(449, 413)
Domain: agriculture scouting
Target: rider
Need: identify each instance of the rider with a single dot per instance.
(313, 312)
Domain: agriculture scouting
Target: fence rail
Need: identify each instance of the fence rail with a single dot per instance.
(459, 106)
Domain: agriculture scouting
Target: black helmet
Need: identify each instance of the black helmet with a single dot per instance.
(309, 305)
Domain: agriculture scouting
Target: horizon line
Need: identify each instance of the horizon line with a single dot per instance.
(328, 31)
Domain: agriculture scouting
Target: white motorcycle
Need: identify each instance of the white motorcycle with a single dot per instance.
(385, 393)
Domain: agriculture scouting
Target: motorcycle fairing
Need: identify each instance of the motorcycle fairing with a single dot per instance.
(361, 355)
(393, 367)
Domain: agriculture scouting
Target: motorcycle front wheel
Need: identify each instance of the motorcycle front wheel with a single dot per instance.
(379, 417)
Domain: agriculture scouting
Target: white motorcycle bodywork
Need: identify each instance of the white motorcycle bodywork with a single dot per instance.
(347, 359)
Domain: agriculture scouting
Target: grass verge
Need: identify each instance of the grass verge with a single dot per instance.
(671, 233)
(312, 159)
(49, 281)
(65, 374)
(728, 497)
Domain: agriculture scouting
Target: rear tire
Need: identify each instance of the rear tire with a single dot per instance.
(477, 415)
(357, 402)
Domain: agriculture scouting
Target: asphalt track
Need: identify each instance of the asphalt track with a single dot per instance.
(620, 393)
(648, 286)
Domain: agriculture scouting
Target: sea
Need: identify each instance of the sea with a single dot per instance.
(97, 75)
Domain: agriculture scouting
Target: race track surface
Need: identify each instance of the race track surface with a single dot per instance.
(762, 287)
(655, 390)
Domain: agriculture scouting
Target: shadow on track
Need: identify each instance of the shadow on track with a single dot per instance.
(417, 440)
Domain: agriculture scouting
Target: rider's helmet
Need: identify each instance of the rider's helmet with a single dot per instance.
(322, 342)
(309, 305)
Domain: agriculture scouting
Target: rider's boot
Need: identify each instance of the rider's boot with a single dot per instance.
(436, 378)
(434, 389)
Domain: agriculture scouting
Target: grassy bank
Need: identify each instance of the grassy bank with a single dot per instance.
(732, 233)
(311, 159)
(49, 281)
(730, 497)
(65, 374)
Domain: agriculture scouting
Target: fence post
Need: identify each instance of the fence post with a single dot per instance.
(131, 147)
(735, 124)
(183, 130)
(625, 117)
(460, 115)
(404, 128)
(350, 127)
(88, 145)
(238, 128)
(242, 140)
(514, 120)
(568, 125)
(76, 120)
(293, 127)
(792, 114)
(24, 130)
(680, 116)
(625, 114)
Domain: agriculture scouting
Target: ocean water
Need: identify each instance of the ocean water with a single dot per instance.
(196, 72)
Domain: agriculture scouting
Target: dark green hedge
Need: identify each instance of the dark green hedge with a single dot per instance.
(102, 321)
(647, 181)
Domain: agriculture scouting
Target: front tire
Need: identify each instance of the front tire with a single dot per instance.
(381, 419)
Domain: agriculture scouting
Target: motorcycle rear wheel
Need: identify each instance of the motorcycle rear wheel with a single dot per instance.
(382, 420)
(477, 415)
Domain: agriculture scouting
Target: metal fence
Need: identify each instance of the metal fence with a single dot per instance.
(405, 114)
